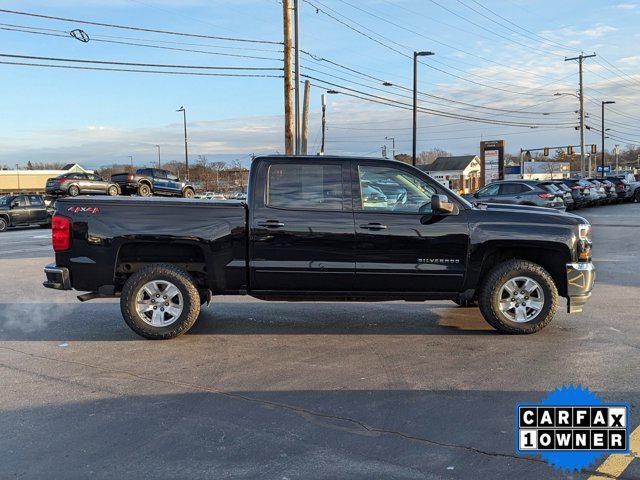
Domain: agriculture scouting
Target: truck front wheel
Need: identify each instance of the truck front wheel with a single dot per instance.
(518, 297)
(160, 302)
(144, 190)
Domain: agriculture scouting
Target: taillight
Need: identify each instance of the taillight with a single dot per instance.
(576, 187)
(544, 195)
(129, 177)
(60, 233)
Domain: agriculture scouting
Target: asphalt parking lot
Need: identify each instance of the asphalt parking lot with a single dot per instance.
(302, 390)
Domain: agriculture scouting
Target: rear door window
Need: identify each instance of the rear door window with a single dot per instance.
(302, 186)
(513, 188)
(36, 200)
(489, 191)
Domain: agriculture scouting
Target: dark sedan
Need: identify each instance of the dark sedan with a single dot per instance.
(74, 184)
(520, 192)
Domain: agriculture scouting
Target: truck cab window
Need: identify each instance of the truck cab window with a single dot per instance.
(305, 186)
(393, 189)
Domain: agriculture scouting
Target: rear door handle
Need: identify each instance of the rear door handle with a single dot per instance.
(373, 226)
(271, 224)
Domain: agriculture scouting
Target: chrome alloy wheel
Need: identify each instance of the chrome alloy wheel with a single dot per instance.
(521, 299)
(159, 303)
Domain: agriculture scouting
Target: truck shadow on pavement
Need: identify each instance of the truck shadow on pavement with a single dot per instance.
(355, 434)
(103, 321)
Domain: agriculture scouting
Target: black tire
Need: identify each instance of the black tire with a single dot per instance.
(466, 303)
(4, 224)
(489, 297)
(74, 191)
(112, 191)
(144, 190)
(188, 193)
(178, 277)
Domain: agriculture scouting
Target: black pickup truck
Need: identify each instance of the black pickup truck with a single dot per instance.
(327, 228)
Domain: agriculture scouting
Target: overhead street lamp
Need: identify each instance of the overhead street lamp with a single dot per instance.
(186, 152)
(604, 102)
(415, 99)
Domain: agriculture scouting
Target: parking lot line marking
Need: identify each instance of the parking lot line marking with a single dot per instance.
(617, 463)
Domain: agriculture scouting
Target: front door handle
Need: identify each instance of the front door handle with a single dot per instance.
(373, 226)
(271, 224)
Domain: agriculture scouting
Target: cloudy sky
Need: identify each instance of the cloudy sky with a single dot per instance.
(497, 66)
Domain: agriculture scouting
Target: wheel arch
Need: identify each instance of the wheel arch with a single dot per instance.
(552, 256)
(7, 217)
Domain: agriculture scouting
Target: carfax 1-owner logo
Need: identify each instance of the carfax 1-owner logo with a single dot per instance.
(571, 428)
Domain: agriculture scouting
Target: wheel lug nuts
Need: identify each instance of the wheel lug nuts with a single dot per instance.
(155, 308)
(153, 301)
(166, 304)
(162, 309)
(158, 295)
(164, 296)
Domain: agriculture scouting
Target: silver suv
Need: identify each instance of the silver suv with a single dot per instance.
(520, 192)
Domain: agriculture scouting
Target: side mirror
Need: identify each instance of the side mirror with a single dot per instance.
(441, 204)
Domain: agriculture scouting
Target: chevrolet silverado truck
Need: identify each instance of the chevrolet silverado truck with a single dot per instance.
(153, 181)
(322, 229)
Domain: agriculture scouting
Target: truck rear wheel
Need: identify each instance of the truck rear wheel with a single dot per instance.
(144, 190)
(160, 302)
(518, 297)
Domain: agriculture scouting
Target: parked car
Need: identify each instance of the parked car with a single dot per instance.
(520, 192)
(76, 183)
(153, 181)
(597, 192)
(607, 187)
(632, 186)
(579, 192)
(622, 188)
(305, 233)
(21, 210)
(562, 189)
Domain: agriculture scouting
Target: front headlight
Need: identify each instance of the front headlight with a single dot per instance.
(584, 229)
(584, 242)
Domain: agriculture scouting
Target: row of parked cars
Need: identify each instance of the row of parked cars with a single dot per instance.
(563, 194)
(145, 182)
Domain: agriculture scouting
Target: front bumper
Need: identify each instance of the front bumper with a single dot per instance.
(580, 279)
(57, 277)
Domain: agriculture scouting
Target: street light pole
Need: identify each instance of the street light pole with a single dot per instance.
(393, 146)
(186, 152)
(604, 102)
(415, 100)
(324, 122)
(158, 147)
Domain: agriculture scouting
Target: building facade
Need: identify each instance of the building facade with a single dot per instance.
(460, 173)
(32, 181)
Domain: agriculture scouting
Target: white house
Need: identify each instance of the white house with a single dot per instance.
(460, 173)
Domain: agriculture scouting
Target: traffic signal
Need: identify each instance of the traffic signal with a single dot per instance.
(569, 150)
(594, 149)
(545, 152)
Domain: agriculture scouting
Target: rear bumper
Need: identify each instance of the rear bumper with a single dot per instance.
(57, 277)
(580, 280)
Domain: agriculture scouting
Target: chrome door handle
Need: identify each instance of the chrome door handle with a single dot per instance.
(373, 226)
(271, 224)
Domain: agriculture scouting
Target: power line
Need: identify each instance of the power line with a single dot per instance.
(162, 47)
(141, 29)
(168, 72)
(132, 64)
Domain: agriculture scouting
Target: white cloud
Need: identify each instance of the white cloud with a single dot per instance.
(626, 6)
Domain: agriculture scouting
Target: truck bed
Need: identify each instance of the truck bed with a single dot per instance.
(210, 236)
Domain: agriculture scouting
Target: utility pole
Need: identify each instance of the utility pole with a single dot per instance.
(617, 152)
(288, 78)
(393, 146)
(415, 100)
(186, 152)
(159, 164)
(296, 11)
(604, 102)
(324, 122)
(18, 176)
(580, 59)
(305, 118)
